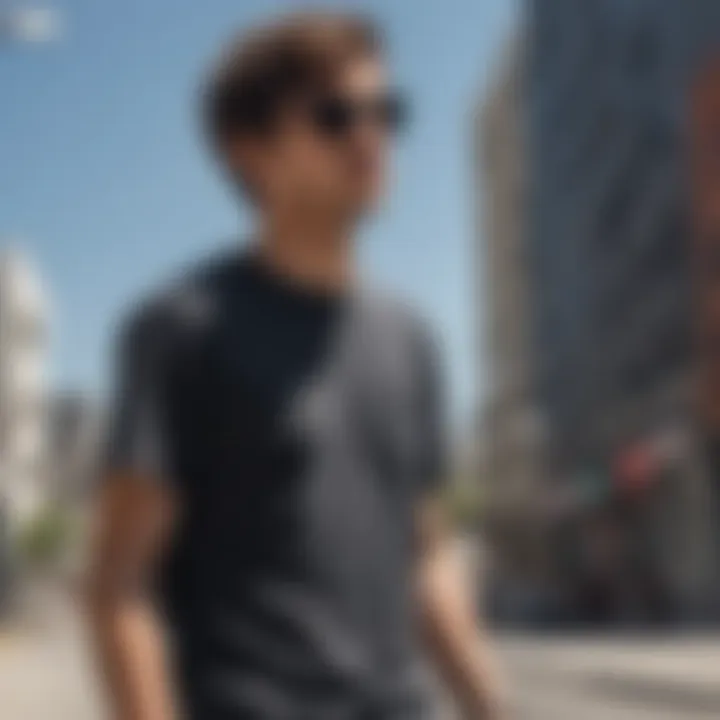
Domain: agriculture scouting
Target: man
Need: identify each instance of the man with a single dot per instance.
(276, 444)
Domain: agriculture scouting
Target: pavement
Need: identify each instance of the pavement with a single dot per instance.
(613, 678)
(46, 673)
(46, 670)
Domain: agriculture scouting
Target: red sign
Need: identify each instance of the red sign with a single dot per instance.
(636, 468)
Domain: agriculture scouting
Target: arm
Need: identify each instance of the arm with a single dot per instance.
(450, 623)
(134, 521)
(450, 626)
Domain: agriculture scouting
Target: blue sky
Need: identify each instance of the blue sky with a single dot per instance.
(102, 176)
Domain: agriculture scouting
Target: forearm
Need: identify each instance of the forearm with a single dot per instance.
(129, 642)
(466, 669)
(455, 640)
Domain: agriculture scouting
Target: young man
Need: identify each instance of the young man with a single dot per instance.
(276, 442)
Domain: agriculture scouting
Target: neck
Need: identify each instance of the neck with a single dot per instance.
(317, 255)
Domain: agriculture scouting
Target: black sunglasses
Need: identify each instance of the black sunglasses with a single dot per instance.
(336, 115)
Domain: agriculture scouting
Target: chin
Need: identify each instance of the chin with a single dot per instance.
(366, 198)
(354, 201)
(359, 207)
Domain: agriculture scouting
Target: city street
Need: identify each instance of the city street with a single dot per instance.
(44, 673)
(614, 679)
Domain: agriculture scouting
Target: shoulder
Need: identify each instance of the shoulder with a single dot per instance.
(398, 318)
(177, 311)
(400, 330)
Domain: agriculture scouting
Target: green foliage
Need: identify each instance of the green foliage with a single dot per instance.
(464, 504)
(44, 540)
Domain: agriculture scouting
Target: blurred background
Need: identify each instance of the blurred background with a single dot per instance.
(557, 215)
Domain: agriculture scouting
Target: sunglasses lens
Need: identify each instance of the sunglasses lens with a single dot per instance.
(393, 112)
(338, 116)
(334, 116)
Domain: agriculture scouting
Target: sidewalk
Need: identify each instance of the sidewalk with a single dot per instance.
(676, 675)
(45, 670)
(46, 673)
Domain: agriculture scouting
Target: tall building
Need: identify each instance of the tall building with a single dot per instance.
(512, 424)
(608, 237)
(502, 265)
(607, 291)
(611, 250)
(23, 388)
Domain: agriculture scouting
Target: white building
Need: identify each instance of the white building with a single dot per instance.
(23, 386)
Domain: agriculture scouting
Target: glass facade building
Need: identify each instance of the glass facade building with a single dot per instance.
(609, 235)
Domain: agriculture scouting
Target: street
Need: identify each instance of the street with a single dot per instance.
(45, 673)
(614, 678)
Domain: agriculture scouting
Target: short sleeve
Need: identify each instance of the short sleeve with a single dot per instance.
(432, 415)
(137, 438)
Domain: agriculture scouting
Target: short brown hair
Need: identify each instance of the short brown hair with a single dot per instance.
(262, 70)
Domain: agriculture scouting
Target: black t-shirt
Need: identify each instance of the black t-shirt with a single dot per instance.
(299, 430)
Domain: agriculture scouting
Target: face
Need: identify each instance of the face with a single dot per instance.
(328, 153)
